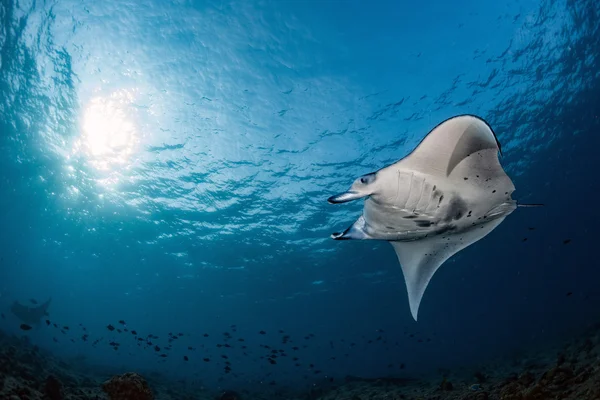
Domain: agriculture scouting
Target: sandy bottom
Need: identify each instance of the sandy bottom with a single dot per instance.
(571, 371)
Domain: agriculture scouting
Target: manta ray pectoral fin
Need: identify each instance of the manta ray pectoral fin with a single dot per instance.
(462, 139)
(355, 232)
(420, 259)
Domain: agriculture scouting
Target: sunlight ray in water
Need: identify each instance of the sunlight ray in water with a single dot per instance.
(108, 133)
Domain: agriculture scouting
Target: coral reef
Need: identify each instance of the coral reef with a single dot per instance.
(129, 386)
(229, 395)
(571, 372)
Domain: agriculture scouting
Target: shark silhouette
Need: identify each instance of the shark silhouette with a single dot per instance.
(30, 315)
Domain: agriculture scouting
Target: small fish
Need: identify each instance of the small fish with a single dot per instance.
(122, 322)
(118, 330)
(569, 294)
(262, 332)
(110, 327)
(33, 301)
(133, 332)
(186, 358)
(156, 348)
(206, 359)
(48, 322)
(3, 317)
(205, 335)
(25, 327)
(66, 328)
(164, 355)
(566, 241)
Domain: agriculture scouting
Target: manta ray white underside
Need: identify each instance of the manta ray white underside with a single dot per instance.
(447, 194)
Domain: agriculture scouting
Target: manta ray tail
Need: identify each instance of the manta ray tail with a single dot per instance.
(530, 205)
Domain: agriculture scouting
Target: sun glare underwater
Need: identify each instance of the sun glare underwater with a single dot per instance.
(166, 169)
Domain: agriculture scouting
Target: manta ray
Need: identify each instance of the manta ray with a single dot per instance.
(30, 315)
(447, 194)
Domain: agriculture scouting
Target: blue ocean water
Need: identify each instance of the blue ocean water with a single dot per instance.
(168, 164)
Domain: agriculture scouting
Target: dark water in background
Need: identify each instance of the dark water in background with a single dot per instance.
(168, 164)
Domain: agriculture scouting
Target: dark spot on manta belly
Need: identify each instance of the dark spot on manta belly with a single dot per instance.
(410, 216)
(456, 209)
(422, 223)
(446, 228)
